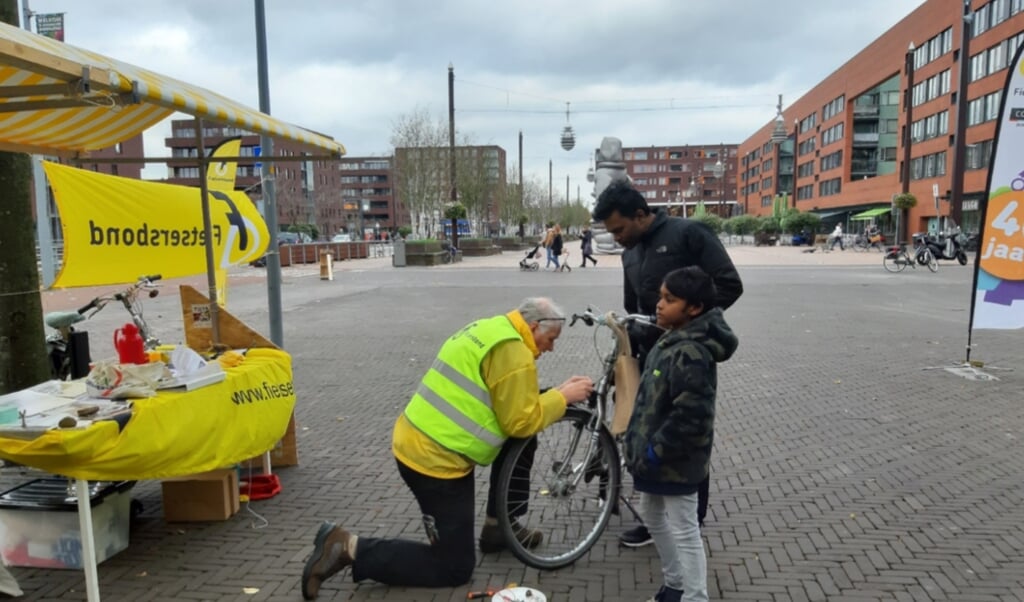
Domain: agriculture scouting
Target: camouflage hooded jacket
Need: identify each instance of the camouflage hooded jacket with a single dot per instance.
(670, 434)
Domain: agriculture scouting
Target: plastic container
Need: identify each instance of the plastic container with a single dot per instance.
(131, 349)
(260, 487)
(39, 523)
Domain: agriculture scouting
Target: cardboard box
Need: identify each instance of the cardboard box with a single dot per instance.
(284, 453)
(39, 523)
(201, 497)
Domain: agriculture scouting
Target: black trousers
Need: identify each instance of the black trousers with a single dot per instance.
(446, 563)
(448, 503)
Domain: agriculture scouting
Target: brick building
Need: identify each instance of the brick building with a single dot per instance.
(307, 191)
(675, 177)
(849, 130)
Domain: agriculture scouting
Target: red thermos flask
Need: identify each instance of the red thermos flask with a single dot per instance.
(131, 349)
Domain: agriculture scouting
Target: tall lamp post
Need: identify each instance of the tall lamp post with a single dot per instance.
(779, 135)
(364, 207)
(908, 135)
(691, 192)
(719, 171)
(956, 201)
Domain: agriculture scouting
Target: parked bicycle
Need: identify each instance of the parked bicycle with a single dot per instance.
(897, 258)
(575, 484)
(63, 322)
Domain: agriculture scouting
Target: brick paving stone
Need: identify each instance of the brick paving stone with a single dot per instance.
(847, 465)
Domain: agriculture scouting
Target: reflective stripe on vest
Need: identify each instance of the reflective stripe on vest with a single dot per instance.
(452, 405)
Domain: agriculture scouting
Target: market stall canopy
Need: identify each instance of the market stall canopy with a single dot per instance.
(57, 99)
(871, 213)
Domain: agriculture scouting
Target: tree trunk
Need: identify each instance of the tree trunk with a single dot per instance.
(23, 360)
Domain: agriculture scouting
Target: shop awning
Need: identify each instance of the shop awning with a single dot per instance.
(870, 213)
(830, 214)
(57, 99)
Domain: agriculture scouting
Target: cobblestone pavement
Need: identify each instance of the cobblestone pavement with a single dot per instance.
(848, 465)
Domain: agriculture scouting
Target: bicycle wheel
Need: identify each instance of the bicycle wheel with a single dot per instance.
(572, 495)
(930, 261)
(895, 261)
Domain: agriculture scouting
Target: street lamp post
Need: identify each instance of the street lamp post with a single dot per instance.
(719, 171)
(691, 192)
(780, 135)
(908, 135)
(956, 201)
(364, 207)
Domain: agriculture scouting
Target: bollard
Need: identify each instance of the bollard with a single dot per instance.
(326, 265)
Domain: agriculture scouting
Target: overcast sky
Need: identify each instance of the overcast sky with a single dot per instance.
(651, 72)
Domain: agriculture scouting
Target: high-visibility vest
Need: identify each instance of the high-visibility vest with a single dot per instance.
(453, 405)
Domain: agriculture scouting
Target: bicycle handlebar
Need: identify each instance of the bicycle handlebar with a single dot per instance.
(590, 318)
(143, 282)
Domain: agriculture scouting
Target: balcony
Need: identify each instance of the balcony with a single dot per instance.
(863, 167)
(866, 138)
(865, 110)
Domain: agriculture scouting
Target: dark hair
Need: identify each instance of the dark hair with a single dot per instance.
(692, 284)
(622, 197)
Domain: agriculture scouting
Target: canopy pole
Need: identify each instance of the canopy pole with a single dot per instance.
(269, 194)
(211, 275)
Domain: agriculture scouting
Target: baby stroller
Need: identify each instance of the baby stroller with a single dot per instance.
(528, 263)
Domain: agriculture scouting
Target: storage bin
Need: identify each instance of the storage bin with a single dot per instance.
(39, 522)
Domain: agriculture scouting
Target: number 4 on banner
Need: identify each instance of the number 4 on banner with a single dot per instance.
(1005, 220)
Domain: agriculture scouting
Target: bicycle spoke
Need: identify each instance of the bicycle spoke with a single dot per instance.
(565, 499)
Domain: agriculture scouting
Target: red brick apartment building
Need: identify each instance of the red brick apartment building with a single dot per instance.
(326, 193)
(849, 130)
(679, 177)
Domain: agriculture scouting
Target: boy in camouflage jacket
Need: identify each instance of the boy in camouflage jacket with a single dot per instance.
(671, 431)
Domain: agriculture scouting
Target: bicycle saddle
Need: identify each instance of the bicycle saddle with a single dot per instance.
(62, 319)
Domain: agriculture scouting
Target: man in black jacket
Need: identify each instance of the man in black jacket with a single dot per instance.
(655, 245)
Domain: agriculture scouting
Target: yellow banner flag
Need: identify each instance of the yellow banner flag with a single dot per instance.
(117, 229)
(220, 175)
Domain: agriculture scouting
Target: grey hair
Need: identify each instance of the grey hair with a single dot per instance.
(542, 310)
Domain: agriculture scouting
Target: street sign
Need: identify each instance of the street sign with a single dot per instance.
(256, 151)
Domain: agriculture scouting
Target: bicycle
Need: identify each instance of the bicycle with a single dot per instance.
(450, 251)
(63, 322)
(897, 258)
(576, 469)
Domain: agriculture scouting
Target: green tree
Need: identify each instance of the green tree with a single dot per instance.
(741, 225)
(711, 221)
(801, 220)
(23, 360)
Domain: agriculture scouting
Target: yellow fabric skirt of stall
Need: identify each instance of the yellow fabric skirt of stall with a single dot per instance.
(175, 433)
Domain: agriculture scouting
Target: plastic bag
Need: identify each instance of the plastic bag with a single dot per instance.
(110, 380)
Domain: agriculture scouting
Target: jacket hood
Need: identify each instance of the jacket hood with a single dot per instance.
(710, 330)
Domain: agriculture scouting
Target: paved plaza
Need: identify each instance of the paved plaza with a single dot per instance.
(848, 464)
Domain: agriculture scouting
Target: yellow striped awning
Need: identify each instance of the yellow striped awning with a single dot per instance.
(58, 99)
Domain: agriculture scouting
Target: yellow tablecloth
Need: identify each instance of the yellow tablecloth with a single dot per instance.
(175, 433)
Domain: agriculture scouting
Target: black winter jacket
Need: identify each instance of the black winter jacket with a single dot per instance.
(668, 244)
(671, 431)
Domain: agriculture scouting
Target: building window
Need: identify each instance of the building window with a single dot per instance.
(830, 187)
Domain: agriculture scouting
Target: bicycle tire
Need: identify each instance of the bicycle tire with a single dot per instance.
(894, 262)
(571, 513)
(932, 263)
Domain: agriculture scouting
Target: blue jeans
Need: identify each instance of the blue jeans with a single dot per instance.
(672, 521)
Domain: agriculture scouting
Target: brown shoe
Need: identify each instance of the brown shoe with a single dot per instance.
(493, 540)
(330, 555)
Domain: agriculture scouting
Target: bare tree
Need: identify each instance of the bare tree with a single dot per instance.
(420, 166)
(23, 361)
